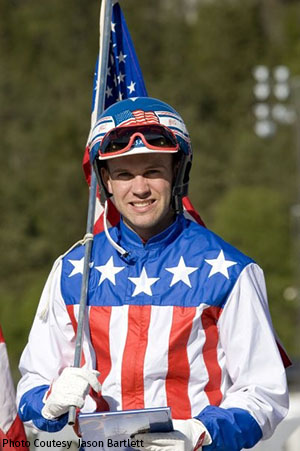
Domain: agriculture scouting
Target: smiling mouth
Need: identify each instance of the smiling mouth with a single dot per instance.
(142, 203)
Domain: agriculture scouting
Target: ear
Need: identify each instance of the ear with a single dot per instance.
(106, 179)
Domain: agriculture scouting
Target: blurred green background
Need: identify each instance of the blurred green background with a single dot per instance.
(197, 55)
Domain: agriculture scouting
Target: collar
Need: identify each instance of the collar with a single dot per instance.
(131, 240)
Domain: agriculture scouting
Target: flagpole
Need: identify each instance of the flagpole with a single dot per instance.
(105, 27)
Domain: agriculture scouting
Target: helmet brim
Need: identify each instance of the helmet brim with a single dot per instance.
(140, 150)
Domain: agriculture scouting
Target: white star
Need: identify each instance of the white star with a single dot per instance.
(109, 271)
(113, 27)
(112, 61)
(121, 77)
(108, 92)
(108, 71)
(120, 97)
(131, 87)
(220, 265)
(121, 57)
(143, 283)
(181, 273)
(115, 80)
(78, 266)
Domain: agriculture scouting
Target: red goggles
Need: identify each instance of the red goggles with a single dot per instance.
(154, 137)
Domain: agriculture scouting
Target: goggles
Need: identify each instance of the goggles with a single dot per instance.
(120, 140)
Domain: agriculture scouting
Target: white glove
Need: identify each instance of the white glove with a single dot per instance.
(70, 389)
(189, 435)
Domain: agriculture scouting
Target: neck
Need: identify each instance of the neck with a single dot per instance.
(145, 233)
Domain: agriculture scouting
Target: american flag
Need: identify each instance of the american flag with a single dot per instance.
(124, 80)
(124, 76)
(137, 117)
(11, 427)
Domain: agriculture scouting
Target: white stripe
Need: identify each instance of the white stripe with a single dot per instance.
(188, 216)
(156, 357)
(111, 388)
(87, 348)
(98, 210)
(225, 378)
(89, 356)
(101, 128)
(168, 113)
(174, 124)
(198, 373)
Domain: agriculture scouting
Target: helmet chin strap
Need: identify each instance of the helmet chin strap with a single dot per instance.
(178, 189)
(118, 248)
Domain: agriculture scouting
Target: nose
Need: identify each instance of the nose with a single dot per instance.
(140, 186)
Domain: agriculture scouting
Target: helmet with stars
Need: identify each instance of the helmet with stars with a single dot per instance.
(142, 125)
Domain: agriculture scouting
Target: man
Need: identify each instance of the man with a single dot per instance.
(176, 316)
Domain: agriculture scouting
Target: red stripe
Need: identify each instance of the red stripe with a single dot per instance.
(70, 309)
(113, 214)
(99, 331)
(134, 356)
(178, 364)
(113, 217)
(209, 319)
(1, 336)
(86, 165)
(98, 226)
(284, 356)
(188, 206)
(16, 433)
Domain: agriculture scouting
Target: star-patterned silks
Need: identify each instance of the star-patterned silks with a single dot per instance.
(109, 271)
(143, 283)
(181, 273)
(220, 265)
(77, 266)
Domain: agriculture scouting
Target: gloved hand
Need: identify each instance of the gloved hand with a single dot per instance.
(70, 389)
(188, 435)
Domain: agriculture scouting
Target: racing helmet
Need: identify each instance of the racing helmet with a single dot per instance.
(142, 125)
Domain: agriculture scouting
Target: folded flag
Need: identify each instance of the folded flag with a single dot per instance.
(12, 433)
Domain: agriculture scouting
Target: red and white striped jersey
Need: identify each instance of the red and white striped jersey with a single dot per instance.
(183, 321)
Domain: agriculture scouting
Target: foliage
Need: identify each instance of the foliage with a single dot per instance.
(256, 221)
(199, 58)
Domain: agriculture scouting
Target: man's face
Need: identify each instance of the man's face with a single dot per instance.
(141, 186)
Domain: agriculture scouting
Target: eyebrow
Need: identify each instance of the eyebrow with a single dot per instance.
(121, 169)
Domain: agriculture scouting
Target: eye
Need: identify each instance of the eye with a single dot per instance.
(123, 176)
(153, 173)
